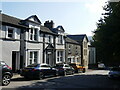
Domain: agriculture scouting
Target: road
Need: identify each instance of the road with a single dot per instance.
(91, 79)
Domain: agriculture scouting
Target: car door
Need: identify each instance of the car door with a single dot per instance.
(45, 69)
(67, 68)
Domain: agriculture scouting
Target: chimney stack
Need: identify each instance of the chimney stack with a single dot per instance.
(49, 24)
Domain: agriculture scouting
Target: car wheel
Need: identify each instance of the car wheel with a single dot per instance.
(6, 80)
(83, 70)
(41, 75)
(72, 72)
(65, 73)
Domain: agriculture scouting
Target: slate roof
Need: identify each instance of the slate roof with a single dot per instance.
(69, 40)
(47, 30)
(11, 20)
(39, 22)
(62, 29)
(78, 38)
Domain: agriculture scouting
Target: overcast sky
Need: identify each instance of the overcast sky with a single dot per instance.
(76, 16)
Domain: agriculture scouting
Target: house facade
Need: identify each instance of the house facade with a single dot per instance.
(59, 41)
(24, 42)
(92, 56)
(73, 51)
(48, 39)
(83, 42)
(10, 41)
(31, 43)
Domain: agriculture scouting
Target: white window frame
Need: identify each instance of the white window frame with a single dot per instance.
(49, 39)
(60, 39)
(7, 32)
(31, 60)
(33, 34)
(60, 56)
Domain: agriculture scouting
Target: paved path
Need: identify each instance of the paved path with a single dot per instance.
(91, 79)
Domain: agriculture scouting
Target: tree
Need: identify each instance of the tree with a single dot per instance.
(107, 35)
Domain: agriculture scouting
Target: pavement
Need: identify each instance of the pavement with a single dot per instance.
(16, 75)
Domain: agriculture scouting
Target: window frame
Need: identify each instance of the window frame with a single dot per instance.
(13, 32)
(33, 34)
(32, 58)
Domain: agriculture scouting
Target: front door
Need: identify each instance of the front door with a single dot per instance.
(15, 61)
(49, 57)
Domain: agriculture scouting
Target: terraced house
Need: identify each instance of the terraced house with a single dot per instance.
(27, 41)
(10, 38)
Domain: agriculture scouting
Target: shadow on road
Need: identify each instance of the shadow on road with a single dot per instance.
(72, 81)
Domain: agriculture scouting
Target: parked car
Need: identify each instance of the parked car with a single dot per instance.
(6, 73)
(78, 67)
(38, 71)
(114, 73)
(64, 69)
(101, 66)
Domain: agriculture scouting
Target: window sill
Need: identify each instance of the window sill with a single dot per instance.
(11, 39)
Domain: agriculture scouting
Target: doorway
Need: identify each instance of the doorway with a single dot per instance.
(15, 61)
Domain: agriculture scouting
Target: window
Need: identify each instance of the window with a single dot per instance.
(60, 56)
(69, 60)
(34, 34)
(85, 44)
(33, 57)
(85, 51)
(49, 39)
(10, 32)
(60, 39)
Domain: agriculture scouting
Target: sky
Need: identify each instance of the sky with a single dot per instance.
(76, 16)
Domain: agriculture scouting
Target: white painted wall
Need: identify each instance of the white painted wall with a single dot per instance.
(92, 55)
(7, 48)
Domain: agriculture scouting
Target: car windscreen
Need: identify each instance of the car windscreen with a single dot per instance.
(2, 63)
(59, 66)
(33, 65)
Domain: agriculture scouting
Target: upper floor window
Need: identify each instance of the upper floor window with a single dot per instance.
(10, 32)
(85, 44)
(85, 51)
(60, 39)
(34, 34)
(49, 39)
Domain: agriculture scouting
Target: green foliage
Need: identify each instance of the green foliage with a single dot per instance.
(107, 35)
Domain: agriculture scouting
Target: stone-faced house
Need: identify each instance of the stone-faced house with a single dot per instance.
(59, 41)
(10, 38)
(83, 41)
(72, 50)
